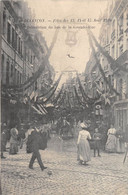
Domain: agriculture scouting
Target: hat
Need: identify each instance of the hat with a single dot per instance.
(83, 126)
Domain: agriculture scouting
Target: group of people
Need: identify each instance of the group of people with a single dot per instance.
(36, 138)
(15, 138)
(116, 142)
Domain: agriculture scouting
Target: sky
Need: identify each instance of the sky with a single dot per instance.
(53, 12)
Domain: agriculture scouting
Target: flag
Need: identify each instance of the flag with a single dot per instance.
(32, 95)
(43, 108)
(35, 97)
(36, 110)
(42, 111)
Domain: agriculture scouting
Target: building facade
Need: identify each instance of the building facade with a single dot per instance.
(114, 39)
(22, 49)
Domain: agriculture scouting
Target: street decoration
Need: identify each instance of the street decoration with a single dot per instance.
(113, 63)
(53, 90)
(71, 38)
(78, 98)
(37, 74)
(58, 96)
(36, 109)
(54, 85)
(99, 65)
(86, 98)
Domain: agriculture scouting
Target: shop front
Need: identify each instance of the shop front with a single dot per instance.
(121, 115)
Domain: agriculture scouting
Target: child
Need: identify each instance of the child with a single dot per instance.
(97, 140)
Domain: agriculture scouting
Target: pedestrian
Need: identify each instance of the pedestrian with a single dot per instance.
(21, 136)
(36, 141)
(97, 142)
(111, 140)
(3, 139)
(120, 147)
(14, 141)
(84, 152)
(64, 127)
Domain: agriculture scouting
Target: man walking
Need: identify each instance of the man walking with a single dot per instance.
(36, 142)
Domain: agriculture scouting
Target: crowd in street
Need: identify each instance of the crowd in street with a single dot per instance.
(36, 135)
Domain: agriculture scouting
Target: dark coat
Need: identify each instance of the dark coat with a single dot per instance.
(36, 141)
(97, 140)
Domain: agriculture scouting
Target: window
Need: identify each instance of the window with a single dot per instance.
(4, 22)
(35, 85)
(2, 66)
(15, 76)
(31, 59)
(120, 88)
(121, 49)
(127, 86)
(13, 37)
(113, 51)
(9, 33)
(16, 37)
(11, 70)
(25, 52)
(20, 78)
(21, 48)
(19, 45)
(113, 25)
(7, 73)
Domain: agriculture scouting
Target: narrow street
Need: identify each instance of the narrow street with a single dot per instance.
(103, 175)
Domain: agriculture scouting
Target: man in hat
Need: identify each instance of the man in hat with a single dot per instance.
(35, 143)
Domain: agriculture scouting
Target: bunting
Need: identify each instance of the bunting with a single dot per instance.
(53, 90)
(36, 109)
(78, 99)
(58, 96)
(113, 63)
(38, 73)
(54, 85)
(86, 98)
(100, 67)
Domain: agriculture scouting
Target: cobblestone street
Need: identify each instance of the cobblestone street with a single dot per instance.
(104, 176)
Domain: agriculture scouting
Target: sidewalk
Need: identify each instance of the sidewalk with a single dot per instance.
(103, 176)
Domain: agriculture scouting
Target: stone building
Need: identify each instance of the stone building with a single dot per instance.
(114, 39)
(22, 49)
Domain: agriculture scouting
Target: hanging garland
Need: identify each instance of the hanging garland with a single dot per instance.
(78, 99)
(62, 99)
(58, 96)
(49, 90)
(68, 101)
(53, 90)
(84, 95)
(100, 67)
(38, 73)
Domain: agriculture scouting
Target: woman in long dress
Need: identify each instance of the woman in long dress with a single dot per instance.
(111, 143)
(84, 152)
(120, 147)
(14, 141)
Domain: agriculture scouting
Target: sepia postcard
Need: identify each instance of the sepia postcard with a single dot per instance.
(64, 97)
